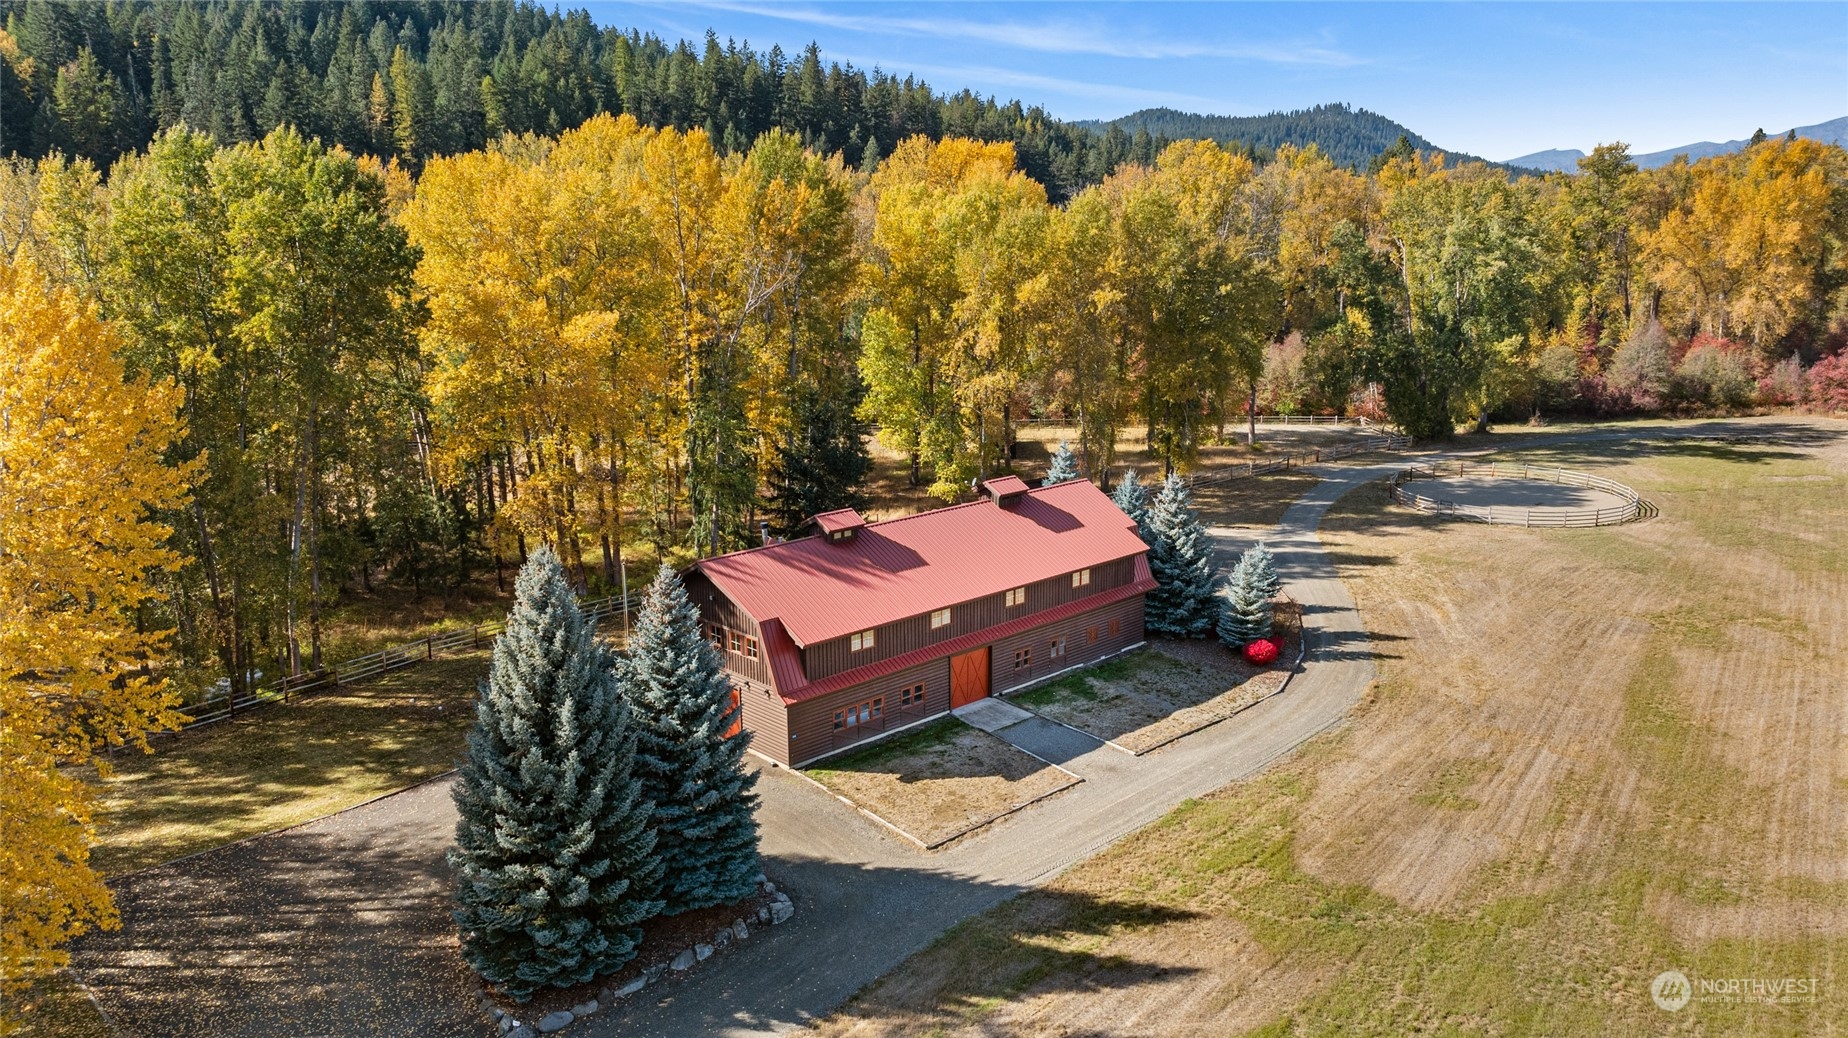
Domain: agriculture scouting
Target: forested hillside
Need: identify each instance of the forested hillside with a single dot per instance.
(1351, 137)
(412, 80)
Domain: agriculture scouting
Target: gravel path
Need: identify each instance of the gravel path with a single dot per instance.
(341, 927)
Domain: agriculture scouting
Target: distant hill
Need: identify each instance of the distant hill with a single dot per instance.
(1835, 131)
(1350, 136)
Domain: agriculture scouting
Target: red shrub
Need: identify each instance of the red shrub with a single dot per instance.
(1828, 383)
(1262, 651)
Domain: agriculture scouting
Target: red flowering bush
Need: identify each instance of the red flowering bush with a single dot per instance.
(1262, 651)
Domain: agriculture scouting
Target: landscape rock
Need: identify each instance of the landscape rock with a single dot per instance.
(631, 987)
(769, 887)
(780, 911)
(702, 951)
(763, 915)
(654, 972)
(522, 1031)
(555, 1021)
(739, 930)
(585, 1009)
(684, 960)
(721, 939)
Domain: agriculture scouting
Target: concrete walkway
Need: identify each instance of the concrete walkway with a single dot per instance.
(341, 926)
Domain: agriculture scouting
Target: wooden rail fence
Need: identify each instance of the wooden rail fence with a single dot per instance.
(373, 664)
(1294, 461)
(1632, 508)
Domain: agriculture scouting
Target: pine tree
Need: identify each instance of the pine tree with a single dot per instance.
(819, 463)
(1263, 569)
(555, 858)
(1064, 467)
(704, 810)
(1181, 560)
(1134, 501)
(1245, 610)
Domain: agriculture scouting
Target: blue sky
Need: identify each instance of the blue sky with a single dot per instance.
(1492, 79)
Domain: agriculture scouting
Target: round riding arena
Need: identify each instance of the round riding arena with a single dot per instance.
(1517, 494)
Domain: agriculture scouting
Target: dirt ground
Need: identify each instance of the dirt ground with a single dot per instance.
(1150, 698)
(942, 780)
(1592, 756)
(1255, 502)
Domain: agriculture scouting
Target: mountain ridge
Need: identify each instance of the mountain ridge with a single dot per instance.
(1348, 135)
(1834, 131)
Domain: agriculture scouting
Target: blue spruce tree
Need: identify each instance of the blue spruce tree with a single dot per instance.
(555, 857)
(1185, 603)
(1263, 569)
(1245, 607)
(1134, 501)
(704, 810)
(1064, 467)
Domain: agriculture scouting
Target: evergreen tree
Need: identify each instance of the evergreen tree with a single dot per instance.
(1263, 568)
(1064, 467)
(819, 464)
(555, 859)
(1244, 608)
(704, 810)
(1134, 501)
(1181, 558)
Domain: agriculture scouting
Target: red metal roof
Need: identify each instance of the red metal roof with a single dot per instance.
(793, 687)
(902, 567)
(1001, 486)
(839, 519)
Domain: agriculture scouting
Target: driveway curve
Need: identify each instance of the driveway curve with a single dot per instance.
(341, 926)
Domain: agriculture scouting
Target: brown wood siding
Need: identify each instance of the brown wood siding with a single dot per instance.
(811, 733)
(767, 719)
(1079, 649)
(715, 607)
(824, 659)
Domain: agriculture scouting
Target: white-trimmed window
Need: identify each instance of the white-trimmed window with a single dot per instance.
(1082, 578)
(1058, 648)
(939, 618)
(750, 648)
(737, 641)
(861, 640)
(1018, 596)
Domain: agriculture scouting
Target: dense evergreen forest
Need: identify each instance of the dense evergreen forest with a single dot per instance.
(1351, 137)
(417, 79)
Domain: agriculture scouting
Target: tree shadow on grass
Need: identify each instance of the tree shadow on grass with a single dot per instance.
(283, 764)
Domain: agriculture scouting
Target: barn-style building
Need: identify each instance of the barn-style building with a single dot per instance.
(863, 629)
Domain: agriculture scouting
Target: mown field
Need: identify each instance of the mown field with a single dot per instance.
(1591, 756)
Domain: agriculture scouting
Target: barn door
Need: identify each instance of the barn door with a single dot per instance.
(968, 677)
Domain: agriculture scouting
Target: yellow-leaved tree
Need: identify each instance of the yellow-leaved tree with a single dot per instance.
(80, 473)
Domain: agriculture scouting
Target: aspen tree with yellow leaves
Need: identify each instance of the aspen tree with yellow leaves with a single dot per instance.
(81, 473)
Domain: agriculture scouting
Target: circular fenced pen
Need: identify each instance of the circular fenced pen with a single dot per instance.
(1517, 494)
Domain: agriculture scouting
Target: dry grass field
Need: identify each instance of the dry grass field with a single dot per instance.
(1591, 756)
(282, 765)
(1150, 698)
(941, 780)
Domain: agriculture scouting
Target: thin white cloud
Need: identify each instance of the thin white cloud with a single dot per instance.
(954, 77)
(1054, 37)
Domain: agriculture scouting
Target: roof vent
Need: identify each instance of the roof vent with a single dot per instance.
(1004, 491)
(839, 525)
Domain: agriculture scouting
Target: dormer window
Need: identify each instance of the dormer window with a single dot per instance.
(862, 640)
(1017, 597)
(939, 619)
(1082, 578)
(839, 526)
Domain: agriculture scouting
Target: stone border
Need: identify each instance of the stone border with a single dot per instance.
(780, 910)
(960, 833)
